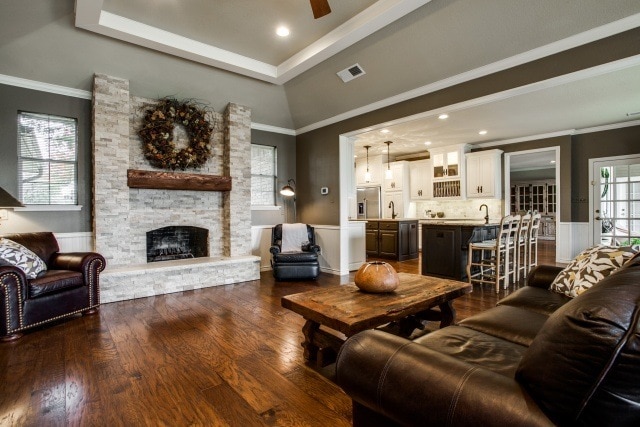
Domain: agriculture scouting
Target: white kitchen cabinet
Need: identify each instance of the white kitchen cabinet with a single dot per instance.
(484, 174)
(399, 180)
(420, 182)
(448, 166)
(375, 168)
(448, 162)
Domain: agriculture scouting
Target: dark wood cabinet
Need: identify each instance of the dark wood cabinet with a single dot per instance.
(392, 239)
(445, 248)
(441, 256)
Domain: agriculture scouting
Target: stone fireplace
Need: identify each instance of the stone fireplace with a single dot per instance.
(177, 242)
(124, 216)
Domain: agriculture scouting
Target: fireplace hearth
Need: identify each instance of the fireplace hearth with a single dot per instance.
(177, 242)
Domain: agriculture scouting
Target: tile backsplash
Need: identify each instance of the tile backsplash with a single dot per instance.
(456, 209)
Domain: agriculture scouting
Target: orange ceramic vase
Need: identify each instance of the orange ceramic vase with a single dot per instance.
(376, 277)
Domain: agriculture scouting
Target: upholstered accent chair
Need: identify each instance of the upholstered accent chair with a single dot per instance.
(69, 286)
(294, 265)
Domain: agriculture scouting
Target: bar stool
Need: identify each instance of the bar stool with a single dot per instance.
(522, 247)
(488, 261)
(532, 255)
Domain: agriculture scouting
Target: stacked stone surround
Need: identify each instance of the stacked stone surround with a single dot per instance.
(122, 216)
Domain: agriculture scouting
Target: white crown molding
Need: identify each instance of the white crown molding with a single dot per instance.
(576, 40)
(509, 93)
(273, 129)
(608, 127)
(44, 87)
(524, 138)
(91, 17)
(85, 94)
(593, 129)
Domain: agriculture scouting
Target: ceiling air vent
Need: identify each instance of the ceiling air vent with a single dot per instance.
(351, 73)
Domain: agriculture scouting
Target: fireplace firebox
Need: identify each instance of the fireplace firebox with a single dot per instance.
(177, 242)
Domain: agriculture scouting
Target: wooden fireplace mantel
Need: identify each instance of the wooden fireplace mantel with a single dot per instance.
(177, 181)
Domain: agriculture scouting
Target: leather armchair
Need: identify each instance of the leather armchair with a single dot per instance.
(68, 287)
(294, 265)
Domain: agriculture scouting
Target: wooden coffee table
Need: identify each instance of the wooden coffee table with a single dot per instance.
(348, 310)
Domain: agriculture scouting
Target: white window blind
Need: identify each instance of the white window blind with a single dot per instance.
(263, 175)
(47, 159)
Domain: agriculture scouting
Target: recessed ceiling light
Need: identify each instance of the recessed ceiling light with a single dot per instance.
(443, 116)
(483, 132)
(385, 131)
(282, 31)
(427, 143)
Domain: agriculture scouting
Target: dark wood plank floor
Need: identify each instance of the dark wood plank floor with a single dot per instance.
(227, 355)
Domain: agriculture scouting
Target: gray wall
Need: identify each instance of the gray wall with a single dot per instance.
(566, 177)
(16, 99)
(616, 142)
(318, 150)
(532, 175)
(39, 41)
(286, 169)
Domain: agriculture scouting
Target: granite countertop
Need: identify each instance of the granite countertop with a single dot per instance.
(386, 219)
(458, 221)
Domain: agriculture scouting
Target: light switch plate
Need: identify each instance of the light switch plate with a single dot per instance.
(324, 190)
(4, 214)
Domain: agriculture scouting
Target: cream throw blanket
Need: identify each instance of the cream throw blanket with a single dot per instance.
(293, 237)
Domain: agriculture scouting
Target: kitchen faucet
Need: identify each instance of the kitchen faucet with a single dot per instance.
(393, 210)
(486, 217)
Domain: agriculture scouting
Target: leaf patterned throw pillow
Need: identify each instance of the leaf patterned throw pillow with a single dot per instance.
(589, 267)
(14, 254)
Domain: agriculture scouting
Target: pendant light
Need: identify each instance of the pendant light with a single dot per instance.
(388, 174)
(367, 174)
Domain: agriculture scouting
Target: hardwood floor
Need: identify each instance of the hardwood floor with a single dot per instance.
(227, 355)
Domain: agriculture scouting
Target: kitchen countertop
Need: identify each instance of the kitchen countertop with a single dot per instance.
(386, 219)
(458, 221)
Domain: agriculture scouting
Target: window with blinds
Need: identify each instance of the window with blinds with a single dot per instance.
(263, 175)
(47, 159)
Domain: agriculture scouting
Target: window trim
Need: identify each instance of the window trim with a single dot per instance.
(274, 206)
(48, 206)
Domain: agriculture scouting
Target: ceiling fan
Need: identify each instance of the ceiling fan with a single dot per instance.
(320, 8)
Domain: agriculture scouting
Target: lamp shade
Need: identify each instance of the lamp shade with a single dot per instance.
(287, 190)
(8, 201)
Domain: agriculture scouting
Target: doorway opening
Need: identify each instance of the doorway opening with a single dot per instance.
(532, 184)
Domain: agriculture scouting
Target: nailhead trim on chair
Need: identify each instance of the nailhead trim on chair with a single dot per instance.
(92, 282)
(54, 318)
(7, 305)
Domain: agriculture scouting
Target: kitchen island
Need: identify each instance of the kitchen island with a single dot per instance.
(445, 245)
(392, 238)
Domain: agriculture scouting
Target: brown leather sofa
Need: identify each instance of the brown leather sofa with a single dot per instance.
(538, 358)
(69, 286)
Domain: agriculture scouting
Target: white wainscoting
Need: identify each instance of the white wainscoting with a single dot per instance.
(75, 242)
(260, 244)
(327, 237)
(574, 239)
(357, 244)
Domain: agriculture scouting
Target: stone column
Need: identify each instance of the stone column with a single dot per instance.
(110, 163)
(237, 164)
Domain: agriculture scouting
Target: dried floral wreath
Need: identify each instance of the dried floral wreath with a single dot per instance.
(157, 135)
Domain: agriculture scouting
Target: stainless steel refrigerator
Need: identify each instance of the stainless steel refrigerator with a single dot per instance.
(369, 203)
